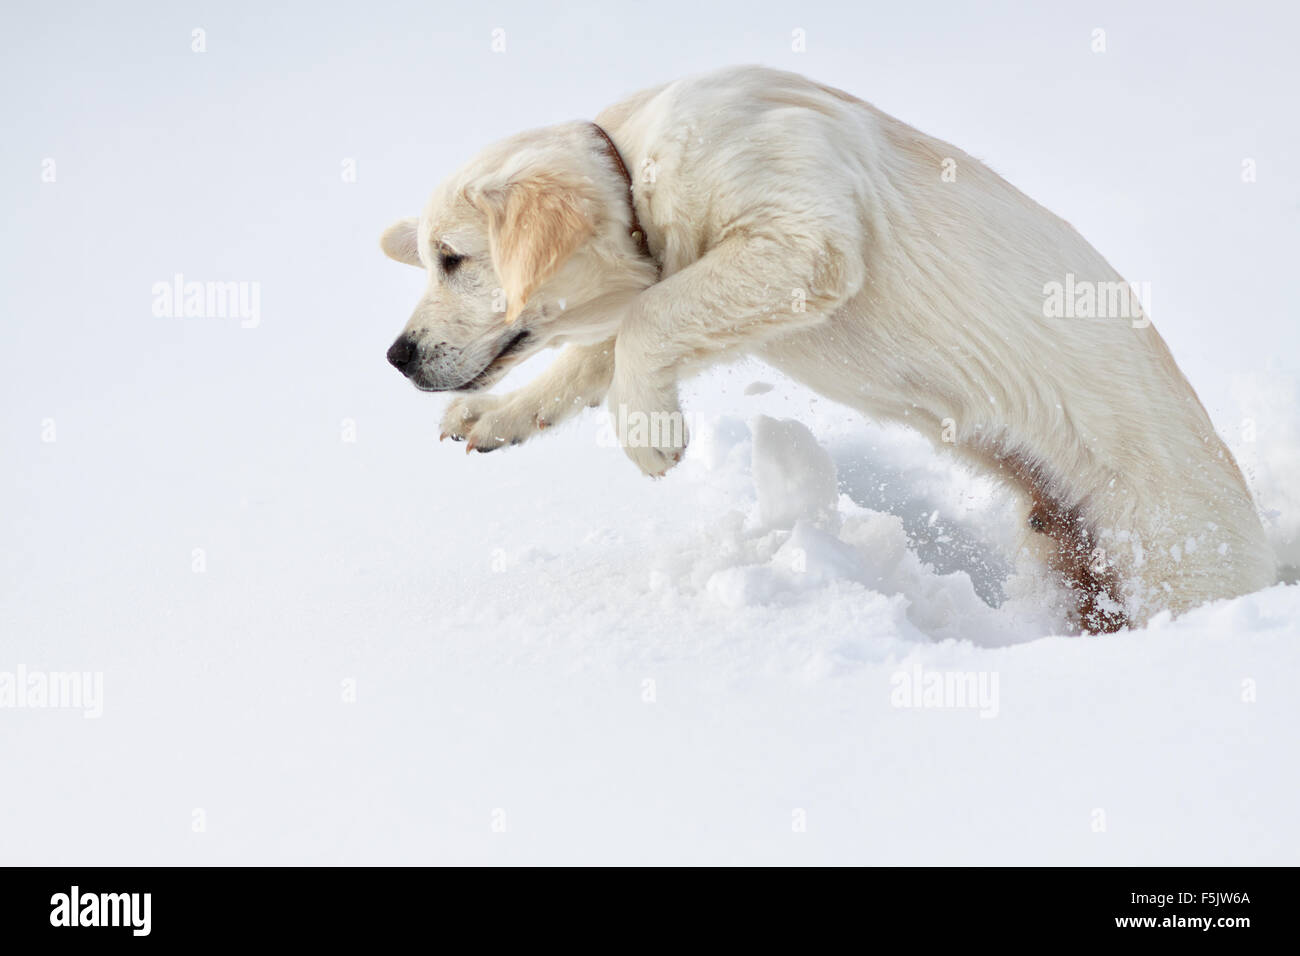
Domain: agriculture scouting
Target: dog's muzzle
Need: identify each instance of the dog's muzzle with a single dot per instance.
(442, 369)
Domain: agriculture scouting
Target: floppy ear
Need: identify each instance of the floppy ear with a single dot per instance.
(399, 241)
(534, 225)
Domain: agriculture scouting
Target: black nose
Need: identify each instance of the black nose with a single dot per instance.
(401, 354)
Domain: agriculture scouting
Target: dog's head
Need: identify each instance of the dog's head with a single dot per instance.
(525, 246)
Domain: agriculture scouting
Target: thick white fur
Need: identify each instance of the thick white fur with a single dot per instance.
(797, 223)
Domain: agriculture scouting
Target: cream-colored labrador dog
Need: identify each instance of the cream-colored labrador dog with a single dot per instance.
(755, 211)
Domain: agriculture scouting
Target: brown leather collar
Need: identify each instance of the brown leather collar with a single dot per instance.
(636, 232)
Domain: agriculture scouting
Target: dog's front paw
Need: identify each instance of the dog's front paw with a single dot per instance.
(464, 413)
(488, 422)
(649, 424)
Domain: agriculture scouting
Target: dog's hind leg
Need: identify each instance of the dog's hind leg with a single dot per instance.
(578, 379)
(1071, 551)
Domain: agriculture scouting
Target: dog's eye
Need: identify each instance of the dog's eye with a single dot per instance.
(450, 262)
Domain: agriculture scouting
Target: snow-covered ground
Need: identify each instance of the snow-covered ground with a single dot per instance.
(324, 637)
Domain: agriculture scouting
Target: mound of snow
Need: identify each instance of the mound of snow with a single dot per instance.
(1267, 446)
(537, 656)
(793, 475)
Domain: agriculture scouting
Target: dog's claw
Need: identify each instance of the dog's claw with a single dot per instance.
(442, 437)
(469, 447)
